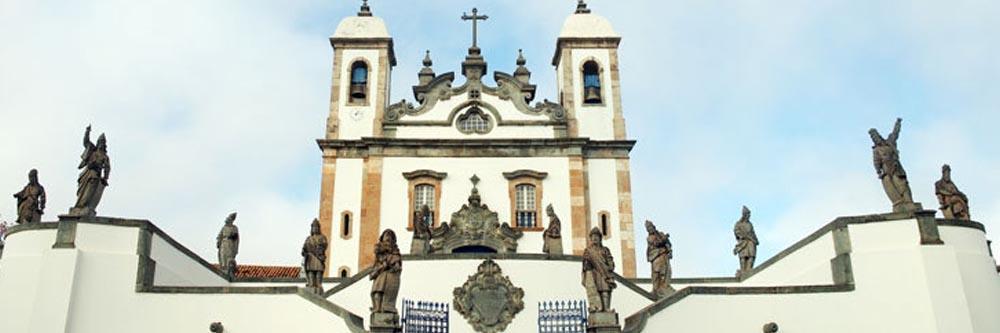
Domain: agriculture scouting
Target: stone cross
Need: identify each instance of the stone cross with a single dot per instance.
(475, 17)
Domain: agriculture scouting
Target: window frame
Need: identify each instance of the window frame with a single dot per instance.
(351, 101)
(526, 177)
(474, 110)
(350, 227)
(606, 232)
(418, 178)
(600, 81)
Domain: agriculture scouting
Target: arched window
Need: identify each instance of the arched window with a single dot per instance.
(423, 194)
(474, 121)
(345, 225)
(527, 209)
(605, 224)
(359, 82)
(344, 272)
(591, 83)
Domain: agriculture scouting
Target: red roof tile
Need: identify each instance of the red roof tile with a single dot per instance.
(259, 271)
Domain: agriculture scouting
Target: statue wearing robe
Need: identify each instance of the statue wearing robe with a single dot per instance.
(386, 273)
(746, 243)
(885, 156)
(95, 168)
(954, 203)
(314, 258)
(421, 243)
(659, 251)
(228, 243)
(552, 237)
(598, 273)
(31, 200)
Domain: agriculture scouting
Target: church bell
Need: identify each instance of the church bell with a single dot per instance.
(592, 95)
(358, 90)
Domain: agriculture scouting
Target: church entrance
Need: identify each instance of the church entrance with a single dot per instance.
(474, 249)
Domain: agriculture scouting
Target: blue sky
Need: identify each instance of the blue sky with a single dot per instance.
(213, 106)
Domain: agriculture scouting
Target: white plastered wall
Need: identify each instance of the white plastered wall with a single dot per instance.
(346, 197)
(602, 177)
(493, 188)
(351, 127)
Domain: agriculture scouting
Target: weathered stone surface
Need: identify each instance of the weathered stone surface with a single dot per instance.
(421, 243)
(659, 251)
(598, 273)
(746, 243)
(385, 322)
(228, 245)
(314, 258)
(603, 322)
(474, 225)
(890, 170)
(96, 168)
(30, 200)
(386, 273)
(552, 237)
(488, 300)
(954, 203)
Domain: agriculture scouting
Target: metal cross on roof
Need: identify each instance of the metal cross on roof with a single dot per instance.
(474, 18)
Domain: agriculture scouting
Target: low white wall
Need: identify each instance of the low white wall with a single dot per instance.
(174, 268)
(542, 280)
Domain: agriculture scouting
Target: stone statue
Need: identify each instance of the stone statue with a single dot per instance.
(552, 236)
(954, 203)
(598, 273)
(216, 327)
(659, 251)
(314, 258)
(31, 200)
(421, 243)
(388, 266)
(228, 243)
(746, 243)
(96, 168)
(890, 170)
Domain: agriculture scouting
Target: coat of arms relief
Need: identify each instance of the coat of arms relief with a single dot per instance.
(488, 300)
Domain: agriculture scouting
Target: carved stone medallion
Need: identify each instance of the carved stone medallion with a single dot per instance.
(488, 300)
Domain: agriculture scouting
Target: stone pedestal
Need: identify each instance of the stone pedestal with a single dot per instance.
(385, 322)
(603, 322)
(907, 207)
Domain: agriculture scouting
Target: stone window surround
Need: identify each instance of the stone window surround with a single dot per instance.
(600, 78)
(350, 228)
(424, 177)
(607, 231)
(344, 269)
(349, 101)
(474, 109)
(526, 177)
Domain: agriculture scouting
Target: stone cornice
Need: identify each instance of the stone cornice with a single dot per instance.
(525, 173)
(366, 43)
(584, 42)
(424, 173)
(547, 147)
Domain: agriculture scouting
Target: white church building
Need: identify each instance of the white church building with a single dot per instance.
(486, 156)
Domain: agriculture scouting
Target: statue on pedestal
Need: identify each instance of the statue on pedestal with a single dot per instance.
(552, 237)
(954, 203)
(385, 288)
(421, 243)
(746, 243)
(96, 168)
(314, 258)
(659, 251)
(228, 243)
(31, 200)
(890, 170)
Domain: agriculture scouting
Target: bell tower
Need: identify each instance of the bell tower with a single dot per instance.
(362, 66)
(586, 62)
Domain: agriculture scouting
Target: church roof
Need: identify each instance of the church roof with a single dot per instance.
(361, 27)
(259, 271)
(587, 25)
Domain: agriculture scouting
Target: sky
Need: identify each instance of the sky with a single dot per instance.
(214, 106)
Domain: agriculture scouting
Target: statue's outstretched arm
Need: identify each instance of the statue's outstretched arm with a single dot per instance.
(86, 138)
(895, 131)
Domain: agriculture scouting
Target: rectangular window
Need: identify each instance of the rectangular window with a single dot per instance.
(526, 207)
(424, 195)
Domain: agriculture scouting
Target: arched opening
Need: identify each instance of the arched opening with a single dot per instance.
(345, 225)
(605, 225)
(591, 83)
(344, 272)
(359, 82)
(474, 249)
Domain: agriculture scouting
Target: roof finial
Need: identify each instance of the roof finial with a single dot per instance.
(427, 59)
(365, 10)
(520, 58)
(581, 7)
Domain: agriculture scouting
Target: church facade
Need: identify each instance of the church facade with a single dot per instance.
(475, 207)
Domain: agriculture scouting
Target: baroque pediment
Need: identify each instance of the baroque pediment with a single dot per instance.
(474, 226)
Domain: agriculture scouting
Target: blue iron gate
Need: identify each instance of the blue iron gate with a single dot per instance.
(562, 316)
(425, 317)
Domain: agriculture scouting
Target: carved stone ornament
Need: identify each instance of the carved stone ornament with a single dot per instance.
(488, 300)
(473, 228)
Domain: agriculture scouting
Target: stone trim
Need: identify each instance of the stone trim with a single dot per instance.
(423, 177)
(354, 322)
(525, 177)
(600, 77)
(578, 204)
(333, 119)
(929, 233)
(366, 43)
(350, 78)
(396, 147)
(385, 58)
(340, 231)
(371, 210)
(605, 213)
(961, 223)
(567, 91)
(65, 235)
(566, 43)
(326, 194)
(616, 96)
(31, 226)
(637, 289)
(348, 282)
(625, 217)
